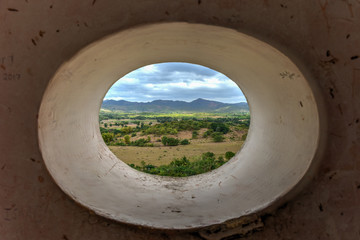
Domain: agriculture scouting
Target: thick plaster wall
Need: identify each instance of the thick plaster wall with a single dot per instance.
(37, 37)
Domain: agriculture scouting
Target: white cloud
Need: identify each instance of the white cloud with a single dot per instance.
(149, 69)
(175, 81)
(126, 80)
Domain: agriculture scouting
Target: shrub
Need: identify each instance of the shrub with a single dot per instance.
(169, 141)
(207, 155)
(208, 133)
(108, 137)
(219, 127)
(164, 140)
(220, 160)
(126, 130)
(127, 139)
(229, 155)
(185, 142)
(217, 137)
(173, 141)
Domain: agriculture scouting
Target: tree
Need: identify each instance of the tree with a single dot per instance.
(126, 130)
(173, 131)
(127, 139)
(208, 133)
(195, 134)
(105, 125)
(217, 137)
(164, 140)
(229, 155)
(108, 137)
(219, 127)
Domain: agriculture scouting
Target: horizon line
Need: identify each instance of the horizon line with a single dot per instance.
(172, 100)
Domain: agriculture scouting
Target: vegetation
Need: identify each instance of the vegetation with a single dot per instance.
(229, 155)
(185, 142)
(108, 137)
(171, 133)
(183, 167)
(169, 141)
(217, 136)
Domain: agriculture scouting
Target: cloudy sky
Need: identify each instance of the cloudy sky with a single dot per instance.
(175, 81)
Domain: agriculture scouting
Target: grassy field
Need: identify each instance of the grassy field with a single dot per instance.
(164, 155)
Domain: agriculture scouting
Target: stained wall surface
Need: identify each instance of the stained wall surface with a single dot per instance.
(37, 37)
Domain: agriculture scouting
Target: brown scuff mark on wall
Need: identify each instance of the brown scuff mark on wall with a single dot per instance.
(340, 109)
(331, 92)
(331, 59)
(323, 5)
(41, 179)
(33, 42)
(350, 7)
(321, 208)
(41, 33)
(12, 9)
(29, 71)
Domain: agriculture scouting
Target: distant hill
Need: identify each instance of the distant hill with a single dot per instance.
(164, 106)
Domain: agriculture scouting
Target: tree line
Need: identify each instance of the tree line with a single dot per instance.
(183, 167)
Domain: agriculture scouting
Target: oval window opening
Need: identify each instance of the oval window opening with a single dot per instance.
(174, 119)
(279, 157)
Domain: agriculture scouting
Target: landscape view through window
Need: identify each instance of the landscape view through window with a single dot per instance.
(174, 119)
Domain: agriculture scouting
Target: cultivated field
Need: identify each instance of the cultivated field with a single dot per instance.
(164, 155)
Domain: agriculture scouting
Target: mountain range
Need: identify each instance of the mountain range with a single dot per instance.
(164, 106)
